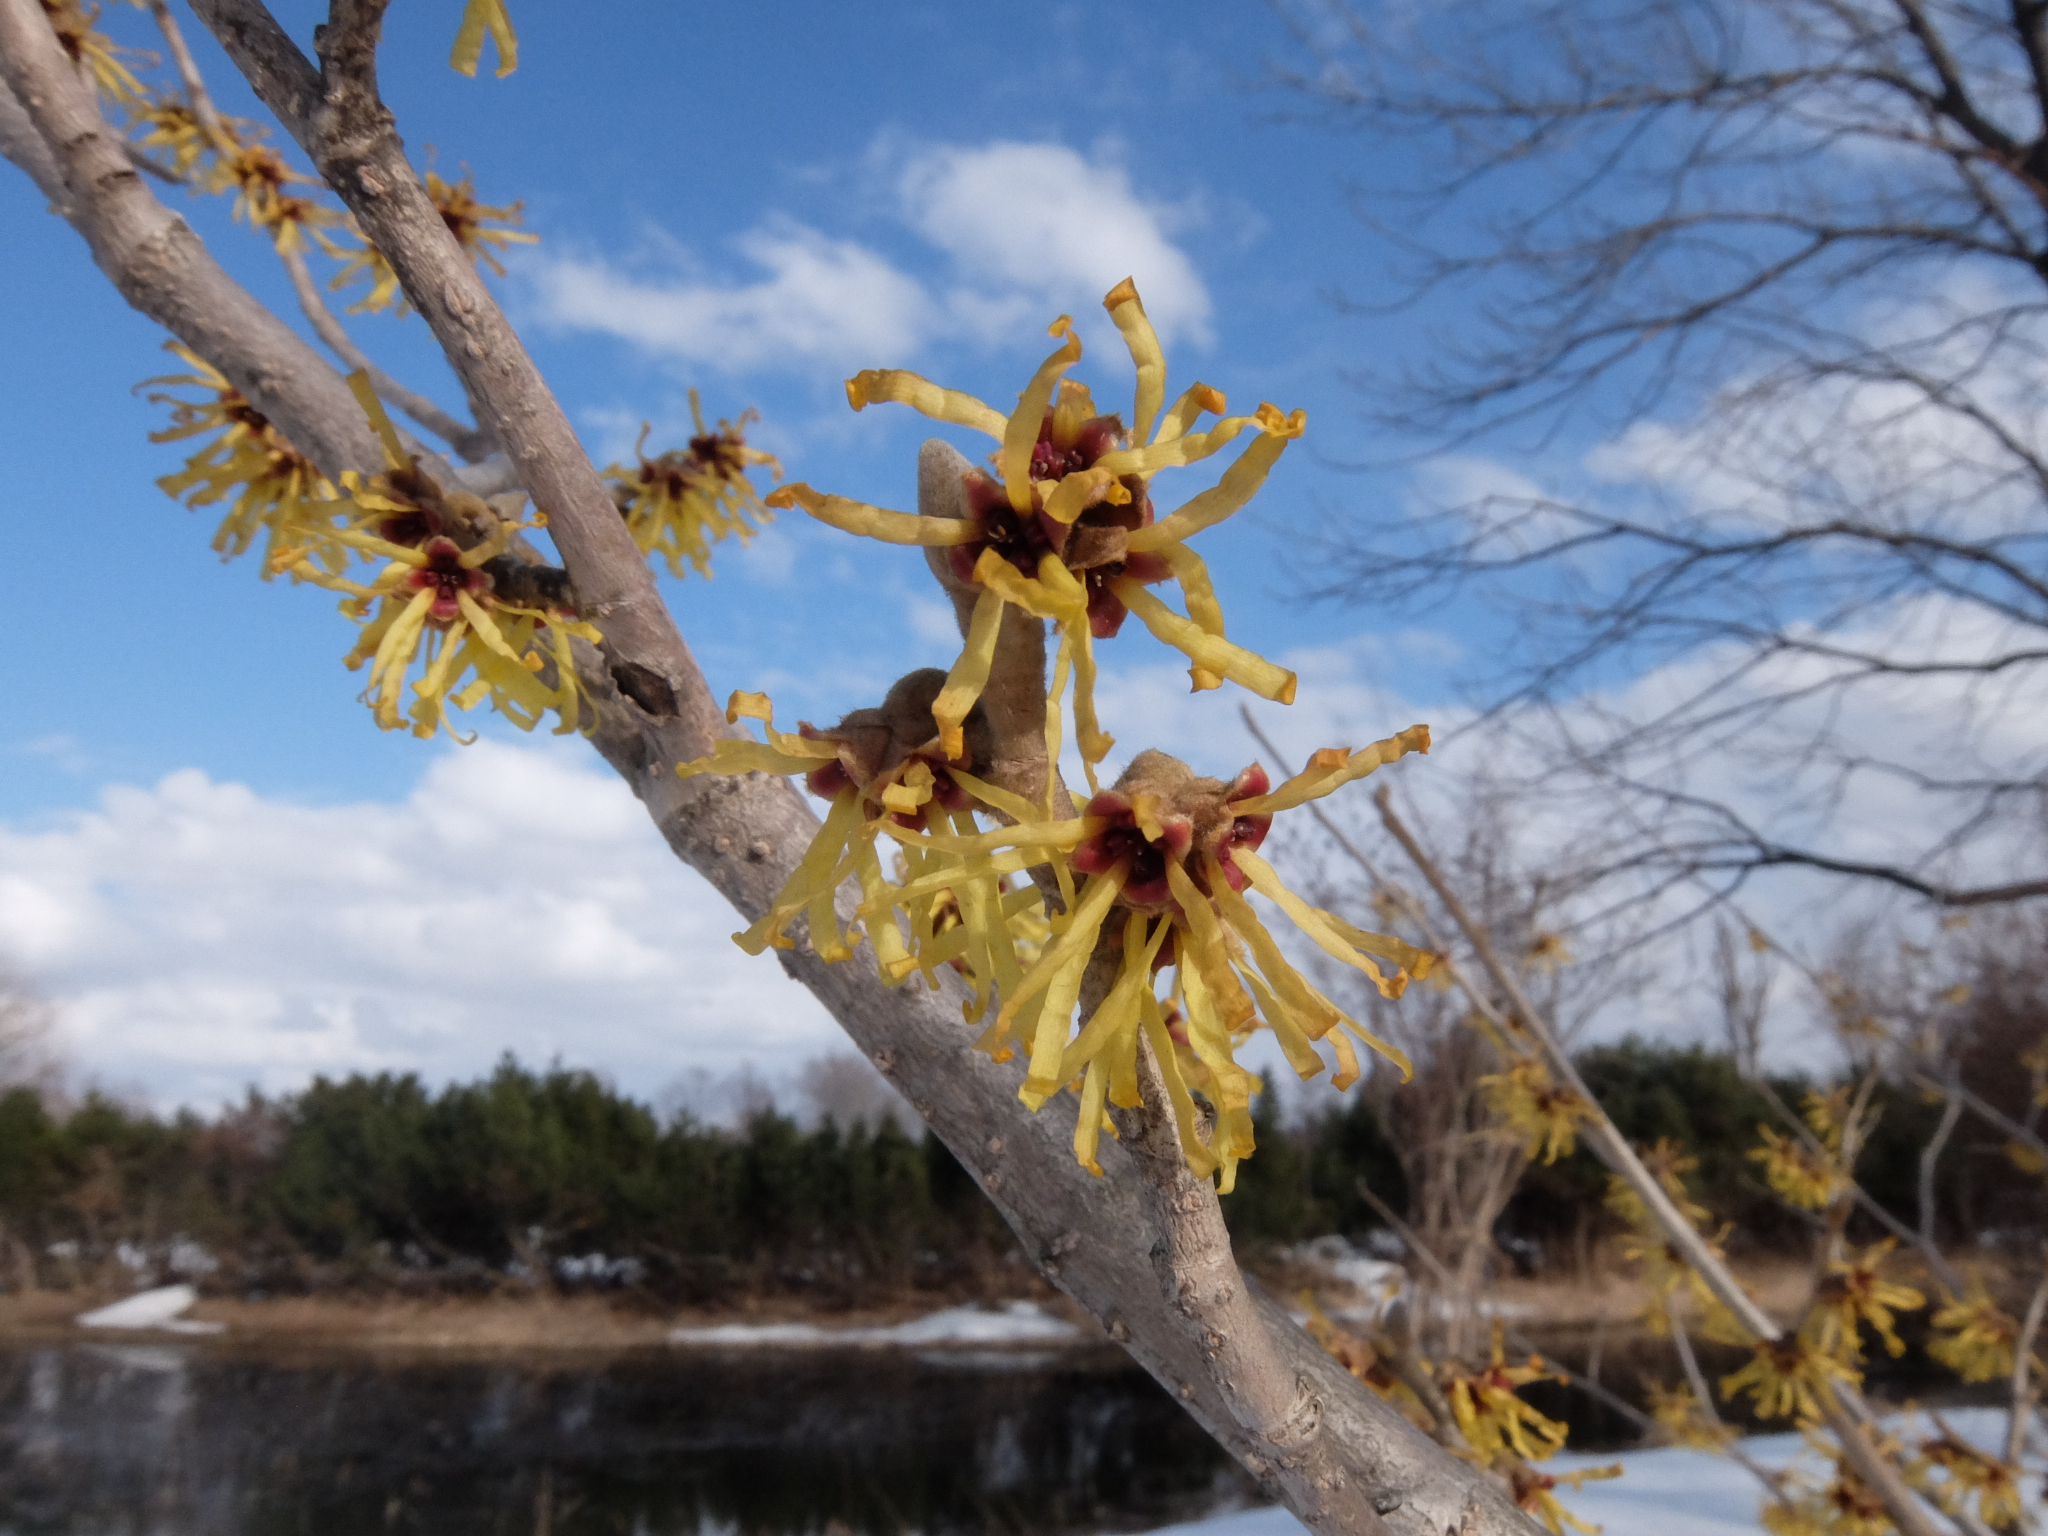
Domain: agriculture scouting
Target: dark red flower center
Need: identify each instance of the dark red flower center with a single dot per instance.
(445, 576)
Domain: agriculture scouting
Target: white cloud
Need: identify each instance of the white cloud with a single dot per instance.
(198, 937)
(1020, 231)
(819, 301)
(1042, 220)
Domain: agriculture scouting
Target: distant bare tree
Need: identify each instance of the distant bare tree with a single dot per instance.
(27, 1022)
(1795, 251)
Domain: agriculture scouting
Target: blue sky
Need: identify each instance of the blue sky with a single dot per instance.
(220, 870)
(686, 150)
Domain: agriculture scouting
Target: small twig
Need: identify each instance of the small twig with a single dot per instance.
(196, 95)
(1986, 1112)
(1703, 1394)
(150, 167)
(472, 445)
(1951, 1112)
(2022, 1370)
(1608, 1142)
(1908, 1512)
(1449, 1282)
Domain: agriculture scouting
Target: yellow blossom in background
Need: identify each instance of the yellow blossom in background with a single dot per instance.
(678, 504)
(1809, 1179)
(1668, 1163)
(468, 220)
(1169, 858)
(1853, 1293)
(1544, 1113)
(1547, 952)
(1494, 1421)
(1166, 863)
(167, 125)
(93, 52)
(1788, 1376)
(881, 770)
(1828, 1115)
(1684, 1420)
(484, 19)
(1968, 1477)
(433, 602)
(1975, 1338)
(277, 492)
(1536, 1494)
(1361, 1359)
(262, 184)
(1066, 529)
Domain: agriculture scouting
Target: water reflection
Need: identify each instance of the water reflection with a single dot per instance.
(122, 1440)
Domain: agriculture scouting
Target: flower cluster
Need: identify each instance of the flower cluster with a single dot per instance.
(1853, 1294)
(435, 601)
(679, 503)
(1157, 871)
(1495, 1422)
(1811, 1177)
(91, 50)
(1532, 1105)
(481, 229)
(1975, 1338)
(1066, 529)
(1536, 1493)
(1960, 1476)
(1788, 1376)
(277, 493)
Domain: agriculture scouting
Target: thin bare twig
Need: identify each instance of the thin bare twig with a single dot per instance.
(2023, 1391)
(470, 444)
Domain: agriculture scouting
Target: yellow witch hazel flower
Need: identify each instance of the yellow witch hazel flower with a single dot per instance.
(435, 603)
(1066, 529)
(1809, 1179)
(1536, 1493)
(167, 125)
(1494, 1421)
(681, 502)
(277, 492)
(1668, 1163)
(468, 220)
(262, 184)
(883, 772)
(1543, 1112)
(1166, 860)
(1968, 1476)
(92, 51)
(1852, 1294)
(1788, 1376)
(1170, 856)
(1684, 1420)
(1975, 1337)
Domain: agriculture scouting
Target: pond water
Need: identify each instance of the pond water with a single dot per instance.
(202, 1440)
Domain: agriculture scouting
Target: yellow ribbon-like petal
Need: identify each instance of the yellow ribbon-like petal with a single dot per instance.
(481, 18)
(1330, 768)
(850, 516)
(969, 675)
(874, 385)
(1240, 483)
(1020, 432)
(1127, 310)
(1211, 652)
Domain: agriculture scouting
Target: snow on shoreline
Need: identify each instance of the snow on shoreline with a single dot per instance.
(1019, 1323)
(1673, 1492)
(158, 1309)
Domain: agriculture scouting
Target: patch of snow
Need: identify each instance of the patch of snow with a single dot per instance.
(156, 1309)
(1021, 1322)
(1669, 1491)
